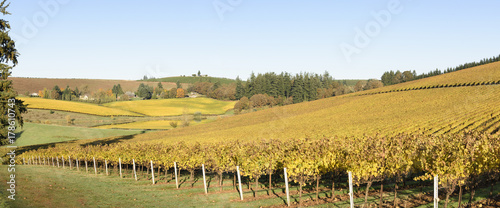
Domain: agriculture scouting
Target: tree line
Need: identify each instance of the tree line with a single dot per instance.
(279, 89)
(148, 92)
(395, 77)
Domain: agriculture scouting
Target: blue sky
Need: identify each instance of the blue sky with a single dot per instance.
(227, 38)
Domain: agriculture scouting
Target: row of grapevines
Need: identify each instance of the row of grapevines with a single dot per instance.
(458, 159)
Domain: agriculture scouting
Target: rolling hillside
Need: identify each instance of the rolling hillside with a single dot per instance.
(437, 110)
(174, 107)
(425, 117)
(191, 80)
(77, 107)
(22, 85)
(163, 107)
(481, 75)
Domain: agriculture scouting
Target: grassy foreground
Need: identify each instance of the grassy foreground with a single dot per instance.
(44, 186)
(57, 187)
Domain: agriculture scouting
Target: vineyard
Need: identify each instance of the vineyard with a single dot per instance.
(164, 107)
(393, 140)
(77, 107)
(174, 107)
(460, 160)
(431, 111)
(480, 75)
(153, 125)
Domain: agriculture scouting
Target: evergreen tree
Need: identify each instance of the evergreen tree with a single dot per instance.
(240, 89)
(326, 80)
(178, 83)
(250, 86)
(297, 90)
(66, 94)
(11, 108)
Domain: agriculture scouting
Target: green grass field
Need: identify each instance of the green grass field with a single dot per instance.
(174, 107)
(33, 134)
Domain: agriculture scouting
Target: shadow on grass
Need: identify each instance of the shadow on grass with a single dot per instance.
(113, 140)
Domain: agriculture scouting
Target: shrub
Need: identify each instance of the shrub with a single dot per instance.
(70, 120)
(197, 116)
(185, 123)
(173, 124)
(124, 97)
(242, 104)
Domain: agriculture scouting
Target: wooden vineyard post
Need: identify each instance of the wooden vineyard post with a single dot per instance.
(239, 181)
(53, 164)
(351, 194)
(135, 173)
(39, 160)
(287, 189)
(95, 167)
(106, 164)
(57, 161)
(62, 158)
(24, 163)
(204, 180)
(120, 163)
(77, 165)
(69, 160)
(436, 196)
(175, 170)
(43, 160)
(152, 172)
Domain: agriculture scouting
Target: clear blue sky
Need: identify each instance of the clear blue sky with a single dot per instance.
(130, 39)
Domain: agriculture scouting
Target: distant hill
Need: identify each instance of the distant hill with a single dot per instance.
(191, 80)
(350, 82)
(22, 85)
